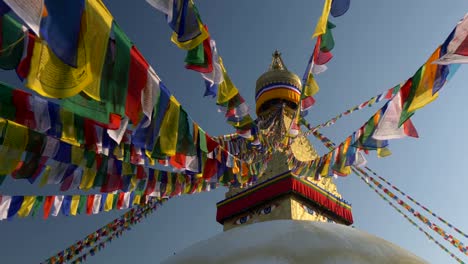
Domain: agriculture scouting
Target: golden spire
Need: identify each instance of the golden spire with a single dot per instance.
(277, 62)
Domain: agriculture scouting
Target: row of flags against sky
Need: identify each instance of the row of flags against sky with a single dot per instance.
(395, 201)
(393, 121)
(163, 130)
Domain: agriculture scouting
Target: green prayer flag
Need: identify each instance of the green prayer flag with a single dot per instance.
(115, 84)
(82, 204)
(37, 203)
(79, 128)
(328, 43)
(202, 136)
(7, 108)
(12, 43)
(141, 186)
(101, 173)
(185, 144)
(114, 202)
(85, 106)
(157, 153)
(196, 56)
(405, 115)
(90, 157)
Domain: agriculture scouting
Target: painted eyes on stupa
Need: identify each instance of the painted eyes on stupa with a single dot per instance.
(267, 210)
(243, 219)
(309, 210)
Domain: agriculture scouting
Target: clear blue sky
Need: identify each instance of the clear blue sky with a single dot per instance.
(378, 44)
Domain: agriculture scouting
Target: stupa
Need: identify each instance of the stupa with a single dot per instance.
(283, 218)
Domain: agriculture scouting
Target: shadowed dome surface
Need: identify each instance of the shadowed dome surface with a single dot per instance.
(290, 241)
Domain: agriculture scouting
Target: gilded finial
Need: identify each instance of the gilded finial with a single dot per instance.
(277, 63)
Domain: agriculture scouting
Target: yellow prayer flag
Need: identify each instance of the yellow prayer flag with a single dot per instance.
(14, 144)
(26, 206)
(383, 152)
(137, 199)
(126, 169)
(68, 127)
(169, 128)
(133, 183)
(109, 202)
(74, 204)
(193, 43)
(45, 176)
(77, 155)
(311, 87)
(321, 27)
(87, 179)
(200, 185)
(50, 77)
(423, 95)
(326, 167)
(226, 89)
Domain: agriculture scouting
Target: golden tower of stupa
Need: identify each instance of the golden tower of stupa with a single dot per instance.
(278, 194)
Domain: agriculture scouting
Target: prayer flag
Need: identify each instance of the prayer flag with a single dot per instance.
(15, 205)
(327, 43)
(30, 11)
(57, 205)
(215, 77)
(50, 77)
(96, 203)
(339, 7)
(138, 75)
(75, 201)
(424, 91)
(388, 125)
(457, 46)
(26, 206)
(66, 205)
(4, 206)
(169, 128)
(226, 89)
(12, 42)
(109, 202)
(321, 27)
(60, 28)
(49, 201)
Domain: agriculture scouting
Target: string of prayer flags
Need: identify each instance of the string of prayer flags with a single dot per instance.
(431, 238)
(392, 120)
(376, 99)
(190, 34)
(109, 231)
(68, 205)
(359, 172)
(417, 203)
(448, 237)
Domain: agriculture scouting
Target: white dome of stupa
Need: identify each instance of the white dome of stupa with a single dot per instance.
(293, 241)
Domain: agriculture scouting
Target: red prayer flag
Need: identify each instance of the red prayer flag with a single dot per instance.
(138, 75)
(25, 64)
(49, 201)
(89, 204)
